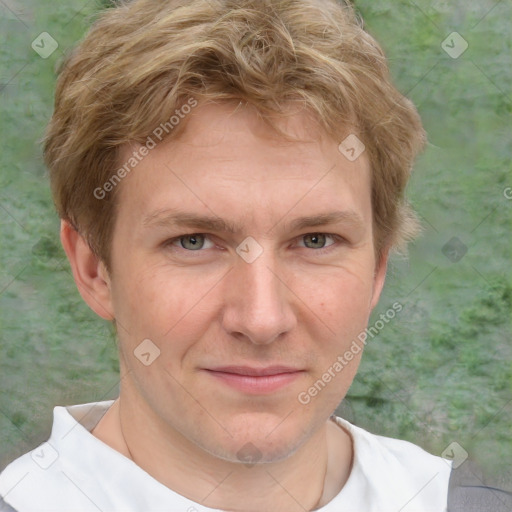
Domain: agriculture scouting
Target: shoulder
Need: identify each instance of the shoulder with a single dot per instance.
(52, 472)
(395, 454)
(40, 481)
(468, 492)
(397, 473)
(392, 466)
(39, 471)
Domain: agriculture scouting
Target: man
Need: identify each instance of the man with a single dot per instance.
(230, 178)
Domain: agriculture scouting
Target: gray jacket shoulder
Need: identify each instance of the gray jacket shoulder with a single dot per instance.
(467, 492)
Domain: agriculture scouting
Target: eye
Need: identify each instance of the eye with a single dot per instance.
(193, 242)
(317, 240)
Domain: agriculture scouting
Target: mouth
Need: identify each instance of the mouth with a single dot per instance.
(255, 380)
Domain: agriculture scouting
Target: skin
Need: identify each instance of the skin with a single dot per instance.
(296, 305)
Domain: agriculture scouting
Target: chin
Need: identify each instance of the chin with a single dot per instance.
(259, 442)
(253, 452)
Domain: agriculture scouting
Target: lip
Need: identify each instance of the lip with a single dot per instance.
(255, 380)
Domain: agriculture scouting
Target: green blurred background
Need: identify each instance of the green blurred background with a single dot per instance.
(439, 372)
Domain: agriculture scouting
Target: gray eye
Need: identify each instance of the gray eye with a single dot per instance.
(314, 241)
(192, 242)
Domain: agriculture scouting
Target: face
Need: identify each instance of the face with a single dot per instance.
(244, 326)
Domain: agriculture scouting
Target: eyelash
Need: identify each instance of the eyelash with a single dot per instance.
(337, 240)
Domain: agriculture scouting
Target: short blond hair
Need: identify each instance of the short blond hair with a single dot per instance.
(144, 59)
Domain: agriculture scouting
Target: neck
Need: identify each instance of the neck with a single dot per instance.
(306, 480)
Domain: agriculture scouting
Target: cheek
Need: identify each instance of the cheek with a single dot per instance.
(160, 303)
(340, 308)
(340, 300)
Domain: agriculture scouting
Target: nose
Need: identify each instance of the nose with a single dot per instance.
(258, 304)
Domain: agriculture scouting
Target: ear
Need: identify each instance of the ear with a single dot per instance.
(379, 277)
(89, 272)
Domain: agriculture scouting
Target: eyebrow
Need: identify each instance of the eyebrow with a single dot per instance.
(335, 217)
(165, 218)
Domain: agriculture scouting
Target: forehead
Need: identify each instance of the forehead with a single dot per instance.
(228, 163)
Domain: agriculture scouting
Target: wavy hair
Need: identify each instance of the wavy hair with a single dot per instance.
(142, 60)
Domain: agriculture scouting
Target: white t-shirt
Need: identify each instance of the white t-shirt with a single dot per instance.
(74, 471)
